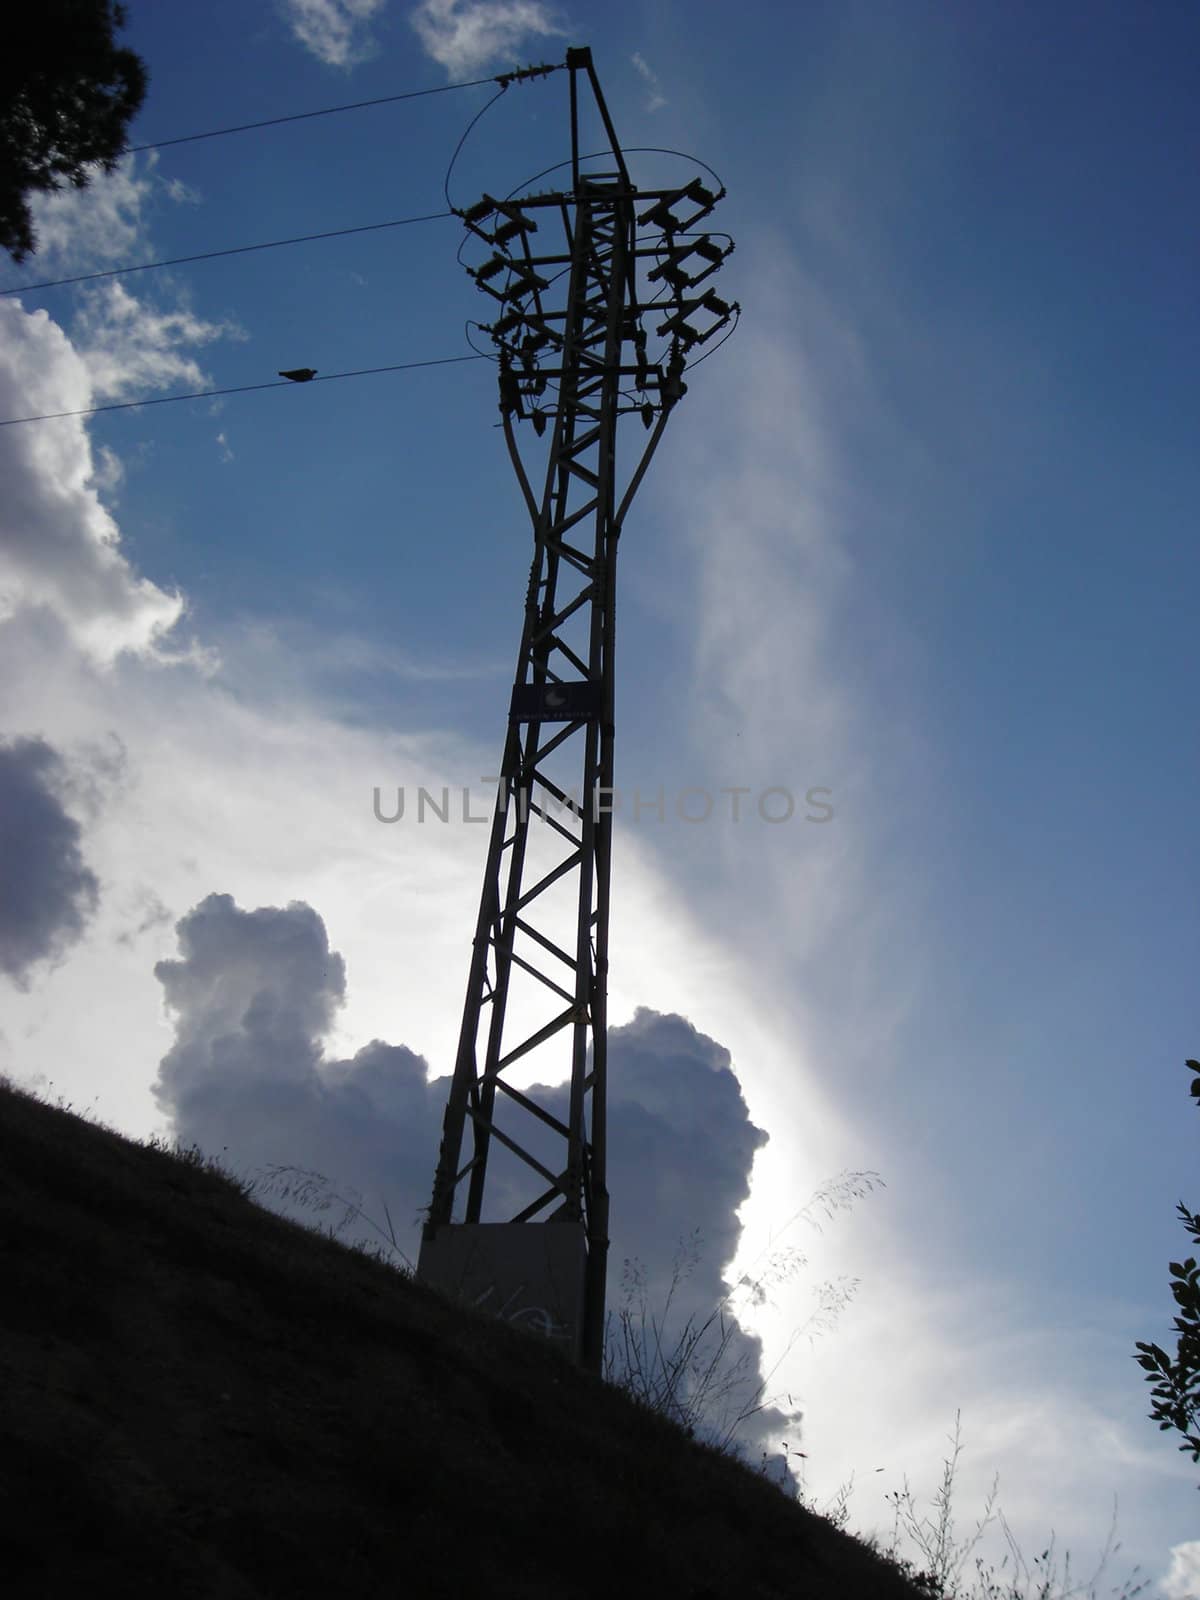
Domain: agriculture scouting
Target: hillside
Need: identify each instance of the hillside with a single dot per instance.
(203, 1399)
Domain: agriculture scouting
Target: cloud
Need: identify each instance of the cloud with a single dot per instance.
(227, 784)
(131, 347)
(146, 912)
(182, 193)
(128, 345)
(101, 223)
(779, 474)
(656, 99)
(108, 473)
(59, 546)
(336, 31)
(220, 768)
(1182, 1582)
(47, 892)
(468, 35)
(827, 927)
(254, 995)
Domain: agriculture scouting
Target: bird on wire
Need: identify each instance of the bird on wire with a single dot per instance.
(300, 374)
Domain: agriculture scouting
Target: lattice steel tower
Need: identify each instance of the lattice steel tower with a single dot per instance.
(588, 330)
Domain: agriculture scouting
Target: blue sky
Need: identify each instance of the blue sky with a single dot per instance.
(920, 534)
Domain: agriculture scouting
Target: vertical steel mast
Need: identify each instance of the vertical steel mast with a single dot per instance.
(573, 333)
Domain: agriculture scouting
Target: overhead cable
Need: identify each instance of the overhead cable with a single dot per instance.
(236, 250)
(466, 135)
(630, 150)
(502, 78)
(300, 116)
(244, 388)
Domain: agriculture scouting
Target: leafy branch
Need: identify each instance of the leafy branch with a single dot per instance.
(1176, 1395)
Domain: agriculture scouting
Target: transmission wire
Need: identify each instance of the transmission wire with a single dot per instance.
(300, 116)
(628, 150)
(305, 238)
(244, 388)
(463, 140)
(236, 250)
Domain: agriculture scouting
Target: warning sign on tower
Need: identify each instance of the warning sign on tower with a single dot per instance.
(555, 702)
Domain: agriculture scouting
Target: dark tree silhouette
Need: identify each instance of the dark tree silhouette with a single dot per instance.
(67, 94)
(1177, 1395)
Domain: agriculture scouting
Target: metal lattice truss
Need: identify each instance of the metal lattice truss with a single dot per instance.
(597, 313)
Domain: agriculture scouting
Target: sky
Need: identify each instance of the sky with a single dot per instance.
(920, 536)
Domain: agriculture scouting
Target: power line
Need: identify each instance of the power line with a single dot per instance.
(463, 140)
(300, 116)
(630, 150)
(236, 250)
(502, 78)
(244, 388)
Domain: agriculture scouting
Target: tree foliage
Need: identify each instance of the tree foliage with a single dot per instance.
(1176, 1394)
(67, 95)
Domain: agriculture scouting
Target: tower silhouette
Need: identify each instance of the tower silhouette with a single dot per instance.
(598, 311)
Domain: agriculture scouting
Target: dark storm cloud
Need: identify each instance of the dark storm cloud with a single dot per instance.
(47, 892)
(253, 995)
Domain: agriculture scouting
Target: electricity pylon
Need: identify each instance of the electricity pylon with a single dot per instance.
(587, 331)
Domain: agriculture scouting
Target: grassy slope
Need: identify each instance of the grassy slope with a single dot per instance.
(200, 1398)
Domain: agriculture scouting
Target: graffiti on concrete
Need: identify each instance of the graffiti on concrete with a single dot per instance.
(536, 1318)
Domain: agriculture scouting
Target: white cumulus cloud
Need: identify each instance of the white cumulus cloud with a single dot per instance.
(336, 31)
(131, 347)
(59, 545)
(1182, 1581)
(98, 224)
(104, 222)
(468, 35)
(254, 995)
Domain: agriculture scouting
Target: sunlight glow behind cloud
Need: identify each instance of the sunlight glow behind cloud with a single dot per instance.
(253, 997)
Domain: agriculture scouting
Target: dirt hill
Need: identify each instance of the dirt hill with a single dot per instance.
(203, 1399)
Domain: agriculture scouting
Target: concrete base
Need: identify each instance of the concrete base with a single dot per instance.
(530, 1274)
